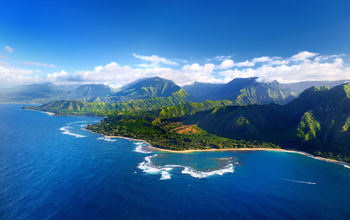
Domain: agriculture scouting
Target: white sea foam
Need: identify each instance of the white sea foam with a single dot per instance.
(104, 138)
(165, 175)
(147, 167)
(299, 181)
(66, 130)
(203, 174)
(346, 166)
(141, 148)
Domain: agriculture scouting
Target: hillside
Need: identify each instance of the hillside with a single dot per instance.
(198, 89)
(316, 122)
(90, 92)
(145, 89)
(242, 91)
(79, 107)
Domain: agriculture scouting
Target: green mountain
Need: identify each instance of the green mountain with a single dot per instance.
(242, 91)
(145, 89)
(79, 107)
(199, 90)
(90, 92)
(317, 121)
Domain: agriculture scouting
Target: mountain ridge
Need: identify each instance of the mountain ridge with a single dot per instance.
(242, 91)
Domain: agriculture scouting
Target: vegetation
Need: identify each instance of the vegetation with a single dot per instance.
(191, 108)
(146, 88)
(308, 127)
(316, 122)
(242, 91)
(77, 107)
(167, 134)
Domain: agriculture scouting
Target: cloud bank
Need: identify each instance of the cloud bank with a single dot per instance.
(303, 66)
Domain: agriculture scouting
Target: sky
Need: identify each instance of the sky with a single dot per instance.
(117, 42)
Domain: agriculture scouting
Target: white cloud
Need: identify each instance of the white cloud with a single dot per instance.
(284, 70)
(226, 64)
(312, 70)
(155, 60)
(117, 75)
(219, 58)
(263, 59)
(302, 56)
(8, 49)
(10, 76)
(245, 63)
(38, 64)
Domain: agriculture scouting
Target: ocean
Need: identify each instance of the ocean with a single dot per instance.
(51, 168)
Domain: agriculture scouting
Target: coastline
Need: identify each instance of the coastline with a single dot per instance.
(55, 114)
(49, 113)
(151, 147)
(252, 149)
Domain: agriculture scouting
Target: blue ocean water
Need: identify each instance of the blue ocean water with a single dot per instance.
(50, 168)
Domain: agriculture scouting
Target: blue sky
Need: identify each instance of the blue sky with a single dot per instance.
(78, 36)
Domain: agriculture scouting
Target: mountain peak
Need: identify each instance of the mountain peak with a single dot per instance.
(146, 88)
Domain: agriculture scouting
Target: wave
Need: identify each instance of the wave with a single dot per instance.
(140, 148)
(104, 138)
(147, 167)
(203, 174)
(346, 166)
(299, 181)
(65, 130)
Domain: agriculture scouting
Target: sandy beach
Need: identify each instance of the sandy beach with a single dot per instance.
(149, 146)
(49, 113)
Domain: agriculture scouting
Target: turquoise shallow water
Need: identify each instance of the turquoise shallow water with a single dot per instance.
(50, 168)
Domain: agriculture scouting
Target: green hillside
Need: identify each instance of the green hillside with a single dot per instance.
(317, 122)
(242, 91)
(145, 89)
(77, 107)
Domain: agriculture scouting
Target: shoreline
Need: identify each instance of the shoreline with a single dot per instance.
(151, 147)
(252, 149)
(49, 113)
(54, 114)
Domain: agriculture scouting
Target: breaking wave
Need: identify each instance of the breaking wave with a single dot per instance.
(203, 174)
(66, 130)
(104, 138)
(346, 166)
(141, 148)
(147, 167)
